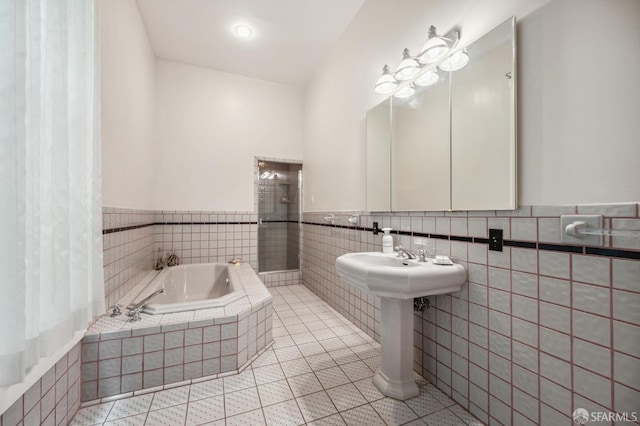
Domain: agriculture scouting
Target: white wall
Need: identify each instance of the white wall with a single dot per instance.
(573, 104)
(128, 106)
(210, 126)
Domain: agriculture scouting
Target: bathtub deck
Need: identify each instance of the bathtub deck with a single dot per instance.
(121, 357)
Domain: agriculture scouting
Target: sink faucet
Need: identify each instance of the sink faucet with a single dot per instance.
(403, 251)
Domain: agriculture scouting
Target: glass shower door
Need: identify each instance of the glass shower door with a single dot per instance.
(279, 216)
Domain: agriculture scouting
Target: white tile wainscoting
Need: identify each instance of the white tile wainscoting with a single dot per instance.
(539, 329)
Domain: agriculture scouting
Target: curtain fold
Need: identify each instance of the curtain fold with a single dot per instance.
(51, 273)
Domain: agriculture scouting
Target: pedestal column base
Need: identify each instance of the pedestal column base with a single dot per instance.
(394, 378)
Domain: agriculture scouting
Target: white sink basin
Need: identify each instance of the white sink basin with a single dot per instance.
(397, 281)
(387, 275)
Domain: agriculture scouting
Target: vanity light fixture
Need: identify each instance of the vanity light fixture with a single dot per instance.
(437, 46)
(428, 78)
(405, 91)
(408, 67)
(422, 70)
(387, 83)
(455, 62)
(243, 31)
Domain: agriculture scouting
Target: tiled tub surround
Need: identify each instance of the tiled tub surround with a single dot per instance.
(539, 329)
(129, 249)
(131, 239)
(120, 357)
(52, 400)
(319, 371)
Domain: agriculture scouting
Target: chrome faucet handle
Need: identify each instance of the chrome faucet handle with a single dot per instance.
(422, 255)
(135, 315)
(116, 310)
(401, 250)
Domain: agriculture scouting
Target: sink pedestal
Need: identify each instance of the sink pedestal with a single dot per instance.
(394, 378)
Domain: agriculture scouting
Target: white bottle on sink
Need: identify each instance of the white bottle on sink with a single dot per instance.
(387, 241)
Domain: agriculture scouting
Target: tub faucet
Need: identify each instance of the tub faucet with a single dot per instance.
(134, 311)
(172, 259)
(403, 251)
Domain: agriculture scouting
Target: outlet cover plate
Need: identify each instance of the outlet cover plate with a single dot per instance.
(592, 221)
(495, 239)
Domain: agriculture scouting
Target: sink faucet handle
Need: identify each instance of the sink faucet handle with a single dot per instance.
(422, 255)
(401, 250)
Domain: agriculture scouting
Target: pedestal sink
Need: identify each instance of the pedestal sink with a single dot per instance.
(398, 281)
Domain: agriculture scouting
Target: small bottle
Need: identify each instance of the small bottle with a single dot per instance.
(159, 262)
(387, 241)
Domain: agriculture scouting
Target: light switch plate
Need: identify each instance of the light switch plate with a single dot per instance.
(592, 221)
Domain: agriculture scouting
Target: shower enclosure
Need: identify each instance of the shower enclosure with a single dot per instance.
(279, 207)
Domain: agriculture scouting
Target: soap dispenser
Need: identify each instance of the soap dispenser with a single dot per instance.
(387, 241)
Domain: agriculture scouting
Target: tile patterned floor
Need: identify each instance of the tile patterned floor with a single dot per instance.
(318, 372)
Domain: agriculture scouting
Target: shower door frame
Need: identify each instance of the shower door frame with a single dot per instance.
(257, 161)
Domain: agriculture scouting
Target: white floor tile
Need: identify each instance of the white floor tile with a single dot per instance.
(168, 416)
(295, 367)
(205, 410)
(268, 374)
(363, 415)
(241, 401)
(273, 393)
(346, 397)
(253, 418)
(304, 384)
(285, 413)
(332, 377)
(130, 407)
(393, 411)
(443, 418)
(206, 389)
(315, 406)
(167, 398)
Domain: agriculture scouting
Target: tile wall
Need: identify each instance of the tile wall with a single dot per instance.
(539, 329)
(129, 249)
(52, 400)
(131, 239)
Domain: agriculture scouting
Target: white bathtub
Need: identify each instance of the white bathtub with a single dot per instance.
(193, 286)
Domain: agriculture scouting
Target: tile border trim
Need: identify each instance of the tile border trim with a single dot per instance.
(597, 251)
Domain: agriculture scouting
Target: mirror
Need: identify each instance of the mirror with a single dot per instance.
(420, 178)
(450, 146)
(483, 138)
(378, 161)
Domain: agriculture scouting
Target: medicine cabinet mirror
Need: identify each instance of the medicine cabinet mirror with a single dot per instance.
(450, 146)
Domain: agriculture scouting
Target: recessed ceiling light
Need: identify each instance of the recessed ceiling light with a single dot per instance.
(243, 31)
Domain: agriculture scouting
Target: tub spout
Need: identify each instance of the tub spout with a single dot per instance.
(134, 311)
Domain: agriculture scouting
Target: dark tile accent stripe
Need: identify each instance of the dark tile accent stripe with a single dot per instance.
(520, 244)
(457, 238)
(125, 228)
(558, 247)
(205, 223)
(625, 254)
(599, 251)
(439, 236)
(129, 228)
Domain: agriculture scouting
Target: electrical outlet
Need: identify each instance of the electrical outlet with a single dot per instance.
(376, 230)
(495, 239)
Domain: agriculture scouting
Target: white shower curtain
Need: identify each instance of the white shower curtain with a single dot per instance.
(51, 277)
